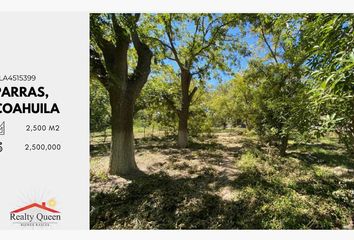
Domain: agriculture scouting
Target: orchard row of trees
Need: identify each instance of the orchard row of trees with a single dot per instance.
(280, 75)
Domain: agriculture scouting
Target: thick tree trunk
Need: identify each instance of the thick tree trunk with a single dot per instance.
(183, 114)
(122, 160)
(182, 140)
(123, 88)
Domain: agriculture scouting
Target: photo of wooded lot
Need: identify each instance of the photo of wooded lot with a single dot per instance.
(222, 121)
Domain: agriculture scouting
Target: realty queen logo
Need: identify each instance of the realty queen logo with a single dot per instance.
(36, 214)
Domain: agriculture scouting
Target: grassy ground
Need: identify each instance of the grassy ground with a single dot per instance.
(225, 182)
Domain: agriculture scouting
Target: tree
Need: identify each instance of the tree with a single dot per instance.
(280, 100)
(157, 103)
(111, 35)
(280, 107)
(196, 45)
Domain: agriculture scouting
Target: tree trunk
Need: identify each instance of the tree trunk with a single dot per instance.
(283, 145)
(183, 114)
(122, 161)
(123, 88)
(105, 136)
(182, 140)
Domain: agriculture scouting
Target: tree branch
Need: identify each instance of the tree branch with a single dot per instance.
(168, 28)
(121, 35)
(268, 45)
(207, 44)
(161, 42)
(97, 68)
(105, 46)
(190, 96)
(143, 67)
(170, 103)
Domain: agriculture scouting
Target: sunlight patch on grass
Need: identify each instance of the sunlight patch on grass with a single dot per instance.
(288, 193)
(99, 167)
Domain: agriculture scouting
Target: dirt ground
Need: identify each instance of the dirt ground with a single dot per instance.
(223, 182)
(153, 157)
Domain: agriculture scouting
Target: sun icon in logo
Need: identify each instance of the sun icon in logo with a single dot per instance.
(52, 203)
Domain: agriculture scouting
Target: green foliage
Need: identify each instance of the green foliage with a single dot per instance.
(200, 119)
(100, 110)
(273, 94)
(280, 106)
(271, 99)
(197, 47)
(222, 106)
(329, 40)
(199, 42)
(154, 103)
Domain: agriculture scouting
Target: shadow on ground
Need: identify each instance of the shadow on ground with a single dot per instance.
(296, 192)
